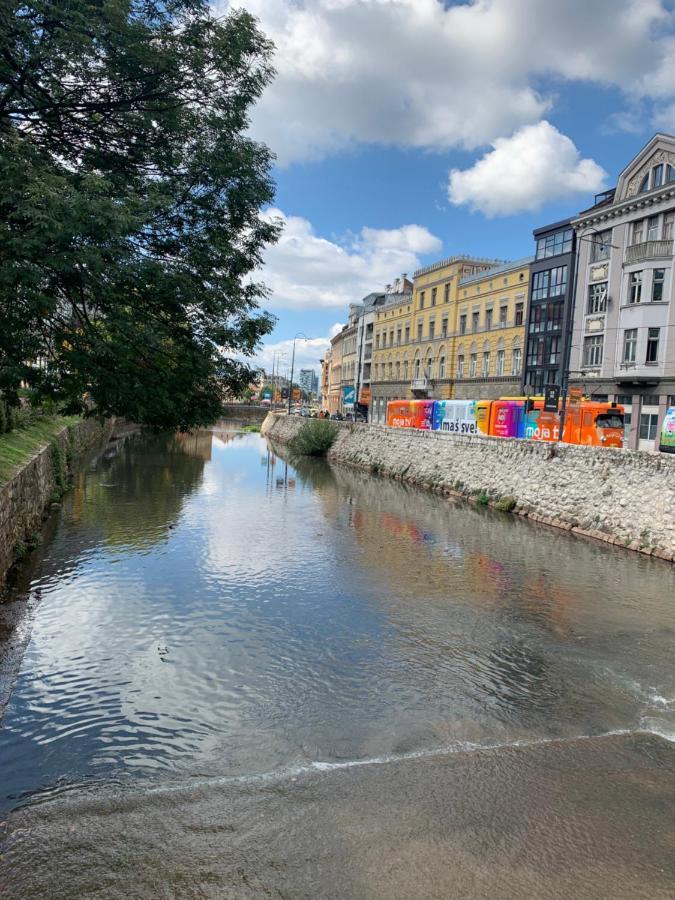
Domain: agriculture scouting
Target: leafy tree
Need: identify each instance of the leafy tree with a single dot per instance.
(130, 198)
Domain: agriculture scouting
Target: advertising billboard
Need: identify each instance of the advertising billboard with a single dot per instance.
(349, 395)
(455, 416)
(667, 439)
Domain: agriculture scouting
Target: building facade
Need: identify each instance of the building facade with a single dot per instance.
(489, 342)
(623, 344)
(325, 379)
(550, 307)
(335, 373)
(308, 382)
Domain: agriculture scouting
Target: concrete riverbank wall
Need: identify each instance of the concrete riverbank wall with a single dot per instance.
(26, 497)
(622, 497)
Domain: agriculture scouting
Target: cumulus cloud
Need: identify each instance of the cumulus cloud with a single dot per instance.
(426, 74)
(305, 270)
(307, 353)
(535, 165)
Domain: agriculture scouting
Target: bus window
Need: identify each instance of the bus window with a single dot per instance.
(609, 420)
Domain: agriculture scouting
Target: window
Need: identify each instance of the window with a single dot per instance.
(652, 228)
(433, 296)
(629, 345)
(441, 367)
(657, 176)
(377, 341)
(427, 370)
(550, 283)
(432, 329)
(486, 364)
(554, 244)
(554, 351)
(500, 362)
(420, 326)
(652, 346)
(405, 369)
(384, 339)
(421, 299)
(462, 324)
(390, 372)
(474, 321)
(407, 333)
(648, 426)
(554, 320)
(593, 350)
(538, 319)
(516, 361)
(624, 399)
(398, 370)
(668, 224)
(638, 231)
(417, 367)
(644, 184)
(472, 366)
(635, 292)
(670, 173)
(657, 285)
(650, 399)
(391, 338)
(600, 245)
(519, 310)
(488, 319)
(503, 312)
(460, 366)
(444, 327)
(446, 294)
(597, 298)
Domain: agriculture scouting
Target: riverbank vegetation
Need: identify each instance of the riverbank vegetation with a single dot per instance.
(132, 194)
(315, 438)
(25, 440)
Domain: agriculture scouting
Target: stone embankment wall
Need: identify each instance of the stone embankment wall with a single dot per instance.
(622, 497)
(26, 497)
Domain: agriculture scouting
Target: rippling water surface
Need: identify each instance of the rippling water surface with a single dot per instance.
(201, 608)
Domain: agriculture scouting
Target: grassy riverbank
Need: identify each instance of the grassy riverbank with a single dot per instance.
(18, 446)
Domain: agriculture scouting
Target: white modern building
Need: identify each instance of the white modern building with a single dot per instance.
(623, 341)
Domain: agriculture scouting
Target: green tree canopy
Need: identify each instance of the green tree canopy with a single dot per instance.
(130, 204)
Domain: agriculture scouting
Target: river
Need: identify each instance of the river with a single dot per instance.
(230, 675)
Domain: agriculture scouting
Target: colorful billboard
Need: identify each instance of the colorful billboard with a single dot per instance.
(455, 416)
(349, 395)
(667, 440)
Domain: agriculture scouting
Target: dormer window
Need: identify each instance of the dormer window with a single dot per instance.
(644, 184)
(657, 176)
(670, 173)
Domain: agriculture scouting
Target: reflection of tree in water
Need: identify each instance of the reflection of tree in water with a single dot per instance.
(315, 473)
(138, 488)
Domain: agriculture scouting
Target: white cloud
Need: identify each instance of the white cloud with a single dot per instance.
(424, 74)
(304, 270)
(535, 165)
(307, 353)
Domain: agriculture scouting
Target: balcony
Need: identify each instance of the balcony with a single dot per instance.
(649, 250)
(420, 384)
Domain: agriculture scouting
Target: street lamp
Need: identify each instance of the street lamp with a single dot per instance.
(290, 386)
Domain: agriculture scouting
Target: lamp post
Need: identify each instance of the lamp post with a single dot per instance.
(290, 386)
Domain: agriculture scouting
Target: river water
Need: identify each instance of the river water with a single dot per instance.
(204, 616)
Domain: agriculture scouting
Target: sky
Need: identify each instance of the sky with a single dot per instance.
(406, 131)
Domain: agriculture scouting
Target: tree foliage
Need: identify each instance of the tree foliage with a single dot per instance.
(130, 198)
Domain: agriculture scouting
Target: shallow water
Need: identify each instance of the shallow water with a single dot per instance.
(204, 609)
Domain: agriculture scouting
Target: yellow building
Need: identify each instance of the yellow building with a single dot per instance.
(325, 379)
(489, 336)
(466, 315)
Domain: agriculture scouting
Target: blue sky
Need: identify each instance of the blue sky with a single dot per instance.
(410, 130)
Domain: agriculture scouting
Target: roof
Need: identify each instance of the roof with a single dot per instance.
(554, 226)
(498, 270)
(460, 257)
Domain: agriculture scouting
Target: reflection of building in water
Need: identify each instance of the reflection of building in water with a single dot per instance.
(195, 443)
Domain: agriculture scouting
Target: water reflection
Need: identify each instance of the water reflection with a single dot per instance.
(210, 605)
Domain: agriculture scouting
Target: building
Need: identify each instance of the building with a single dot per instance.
(623, 344)
(325, 379)
(550, 307)
(308, 382)
(489, 341)
(412, 354)
(348, 376)
(335, 373)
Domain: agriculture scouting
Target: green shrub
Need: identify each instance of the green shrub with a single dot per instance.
(505, 504)
(315, 438)
(483, 498)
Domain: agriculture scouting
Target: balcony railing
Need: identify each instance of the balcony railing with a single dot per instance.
(419, 384)
(649, 250)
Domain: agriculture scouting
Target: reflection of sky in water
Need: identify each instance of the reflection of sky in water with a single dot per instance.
(209, 608)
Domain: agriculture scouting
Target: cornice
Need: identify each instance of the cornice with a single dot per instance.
(642, 201)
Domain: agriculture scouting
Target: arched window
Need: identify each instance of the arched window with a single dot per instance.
(405, 369)
(417, 366)
(428, 368)
(460, 364)
(441, 367)
(670, 173)
(644, 184)
(398, 370)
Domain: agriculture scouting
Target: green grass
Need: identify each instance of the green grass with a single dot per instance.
(18, 446)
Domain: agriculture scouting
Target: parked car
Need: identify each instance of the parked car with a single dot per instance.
(359, 417)
(338, 417)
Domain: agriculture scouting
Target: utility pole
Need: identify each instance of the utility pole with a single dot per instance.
(290, 386)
